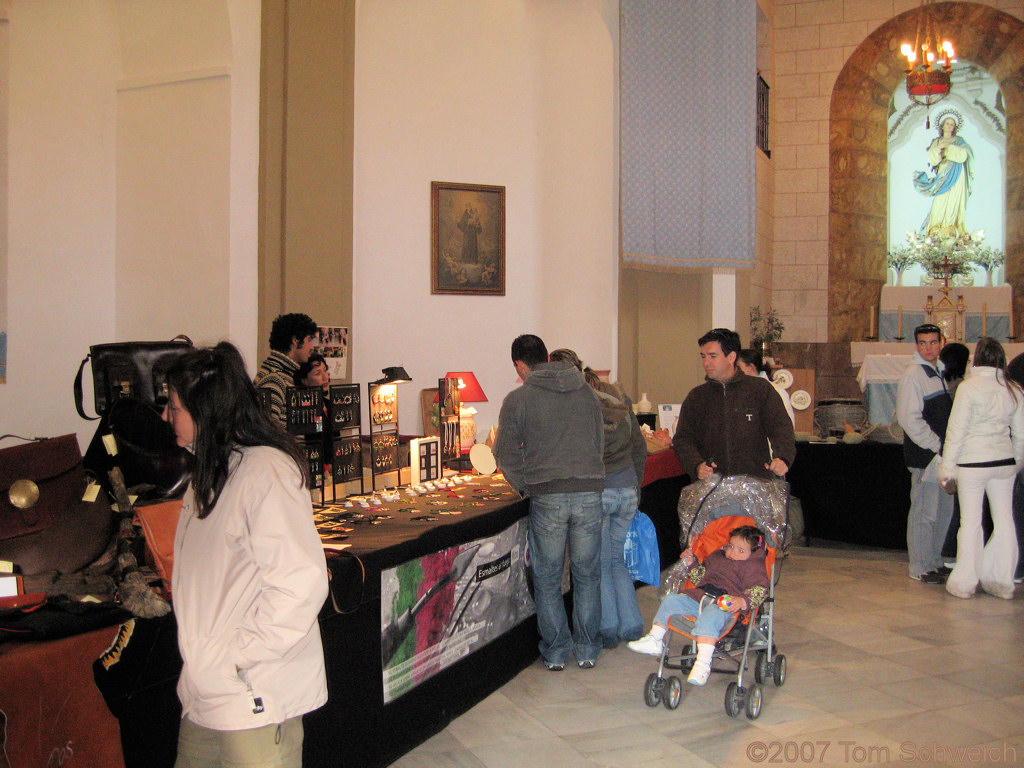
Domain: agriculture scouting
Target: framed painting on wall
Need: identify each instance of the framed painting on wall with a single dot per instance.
(467, 238)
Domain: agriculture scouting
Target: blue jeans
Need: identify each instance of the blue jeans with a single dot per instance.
(620, 613)
(710, 621)
(554, 519)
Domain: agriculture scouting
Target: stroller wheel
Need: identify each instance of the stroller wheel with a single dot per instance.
(753, 701)
(779, 670)
(652, 690)
(761, 672)
(733, 699)
(673, 692)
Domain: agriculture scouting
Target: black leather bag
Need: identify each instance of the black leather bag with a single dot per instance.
(44, 523)
(146, 451)
(129, 369)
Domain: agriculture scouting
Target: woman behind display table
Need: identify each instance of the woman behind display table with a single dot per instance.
(249, 573)
(983, 448)
(314, 373)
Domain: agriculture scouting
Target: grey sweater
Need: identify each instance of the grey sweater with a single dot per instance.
(551, 434)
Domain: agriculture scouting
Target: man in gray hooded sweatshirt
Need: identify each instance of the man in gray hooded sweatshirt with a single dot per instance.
(550, 447)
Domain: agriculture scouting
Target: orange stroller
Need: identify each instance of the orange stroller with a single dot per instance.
(749, 636)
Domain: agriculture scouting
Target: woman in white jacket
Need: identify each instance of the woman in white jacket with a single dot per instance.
(984, 446)
(249, 573)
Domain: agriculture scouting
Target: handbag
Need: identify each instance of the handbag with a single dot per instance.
(45, 525)
(129, 369)
(153, 464)
(641, 550)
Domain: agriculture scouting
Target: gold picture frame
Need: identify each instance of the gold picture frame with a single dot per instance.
(467, 239)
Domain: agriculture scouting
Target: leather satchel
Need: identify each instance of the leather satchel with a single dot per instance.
(129, 369)
(153, 464)
(44, 523)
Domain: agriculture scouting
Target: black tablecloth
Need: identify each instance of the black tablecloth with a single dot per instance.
(355, 727)
(858, 494)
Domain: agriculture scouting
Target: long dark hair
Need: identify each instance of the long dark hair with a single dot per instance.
(990, 353)
(214, 388)
(954, 357)
(753, 357)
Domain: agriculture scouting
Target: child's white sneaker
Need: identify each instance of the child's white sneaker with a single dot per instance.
(699, 674)
(646, 644)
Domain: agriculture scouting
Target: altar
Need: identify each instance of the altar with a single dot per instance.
(987, 310)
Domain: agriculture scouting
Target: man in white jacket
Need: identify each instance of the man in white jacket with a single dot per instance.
(922, 409)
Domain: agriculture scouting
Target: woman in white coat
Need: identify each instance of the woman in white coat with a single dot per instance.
(249, 573)
(984, 446)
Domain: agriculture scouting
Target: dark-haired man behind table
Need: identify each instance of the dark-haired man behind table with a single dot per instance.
(293, 337)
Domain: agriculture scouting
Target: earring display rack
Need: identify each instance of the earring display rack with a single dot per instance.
(305, 413)
(383, 429)
(304, 410)
(346, 437)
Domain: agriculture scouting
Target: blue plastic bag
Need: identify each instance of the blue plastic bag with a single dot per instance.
(641, 551)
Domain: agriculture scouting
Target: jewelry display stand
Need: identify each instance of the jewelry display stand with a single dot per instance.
(346, 436)
(383, 409)
(448, 403)
(304, 416)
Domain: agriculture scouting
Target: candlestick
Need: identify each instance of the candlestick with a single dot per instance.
(899, 323)
(984, 319)
(872, 313)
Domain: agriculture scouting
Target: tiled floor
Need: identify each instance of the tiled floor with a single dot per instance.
(882, 671)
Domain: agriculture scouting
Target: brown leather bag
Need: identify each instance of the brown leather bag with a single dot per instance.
(44, 523)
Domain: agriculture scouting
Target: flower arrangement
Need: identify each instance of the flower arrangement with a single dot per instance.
(939, 257)
(900, 259)
(765, 328)
(989, 259)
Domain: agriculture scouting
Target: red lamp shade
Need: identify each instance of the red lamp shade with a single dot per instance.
(472, 392)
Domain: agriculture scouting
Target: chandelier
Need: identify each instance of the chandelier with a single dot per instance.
(929, 61)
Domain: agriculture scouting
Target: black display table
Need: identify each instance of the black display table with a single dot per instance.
(856, 494)
(355, 727)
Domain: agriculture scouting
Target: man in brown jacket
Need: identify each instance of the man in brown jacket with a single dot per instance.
(732, 424)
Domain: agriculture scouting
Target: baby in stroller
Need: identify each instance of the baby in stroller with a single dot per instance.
(730, 579)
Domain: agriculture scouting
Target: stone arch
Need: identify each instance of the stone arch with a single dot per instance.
(858, 161)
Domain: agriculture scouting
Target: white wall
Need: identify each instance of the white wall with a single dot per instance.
(74, 277)
(520, 94)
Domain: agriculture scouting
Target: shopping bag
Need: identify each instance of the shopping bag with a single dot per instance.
(641, 550)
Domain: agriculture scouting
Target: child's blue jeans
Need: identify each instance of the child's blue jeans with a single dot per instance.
(710, 622)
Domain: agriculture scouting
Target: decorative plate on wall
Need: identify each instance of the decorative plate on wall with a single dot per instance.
(800, 400)
(783, 378)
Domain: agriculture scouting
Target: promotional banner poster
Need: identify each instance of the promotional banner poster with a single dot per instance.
(442, 607)
(334, 347)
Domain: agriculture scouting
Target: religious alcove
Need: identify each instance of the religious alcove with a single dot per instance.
(858, 159)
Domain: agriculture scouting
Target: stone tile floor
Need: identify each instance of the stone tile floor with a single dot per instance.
(882, 671)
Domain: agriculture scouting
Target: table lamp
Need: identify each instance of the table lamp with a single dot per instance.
(470, 391)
